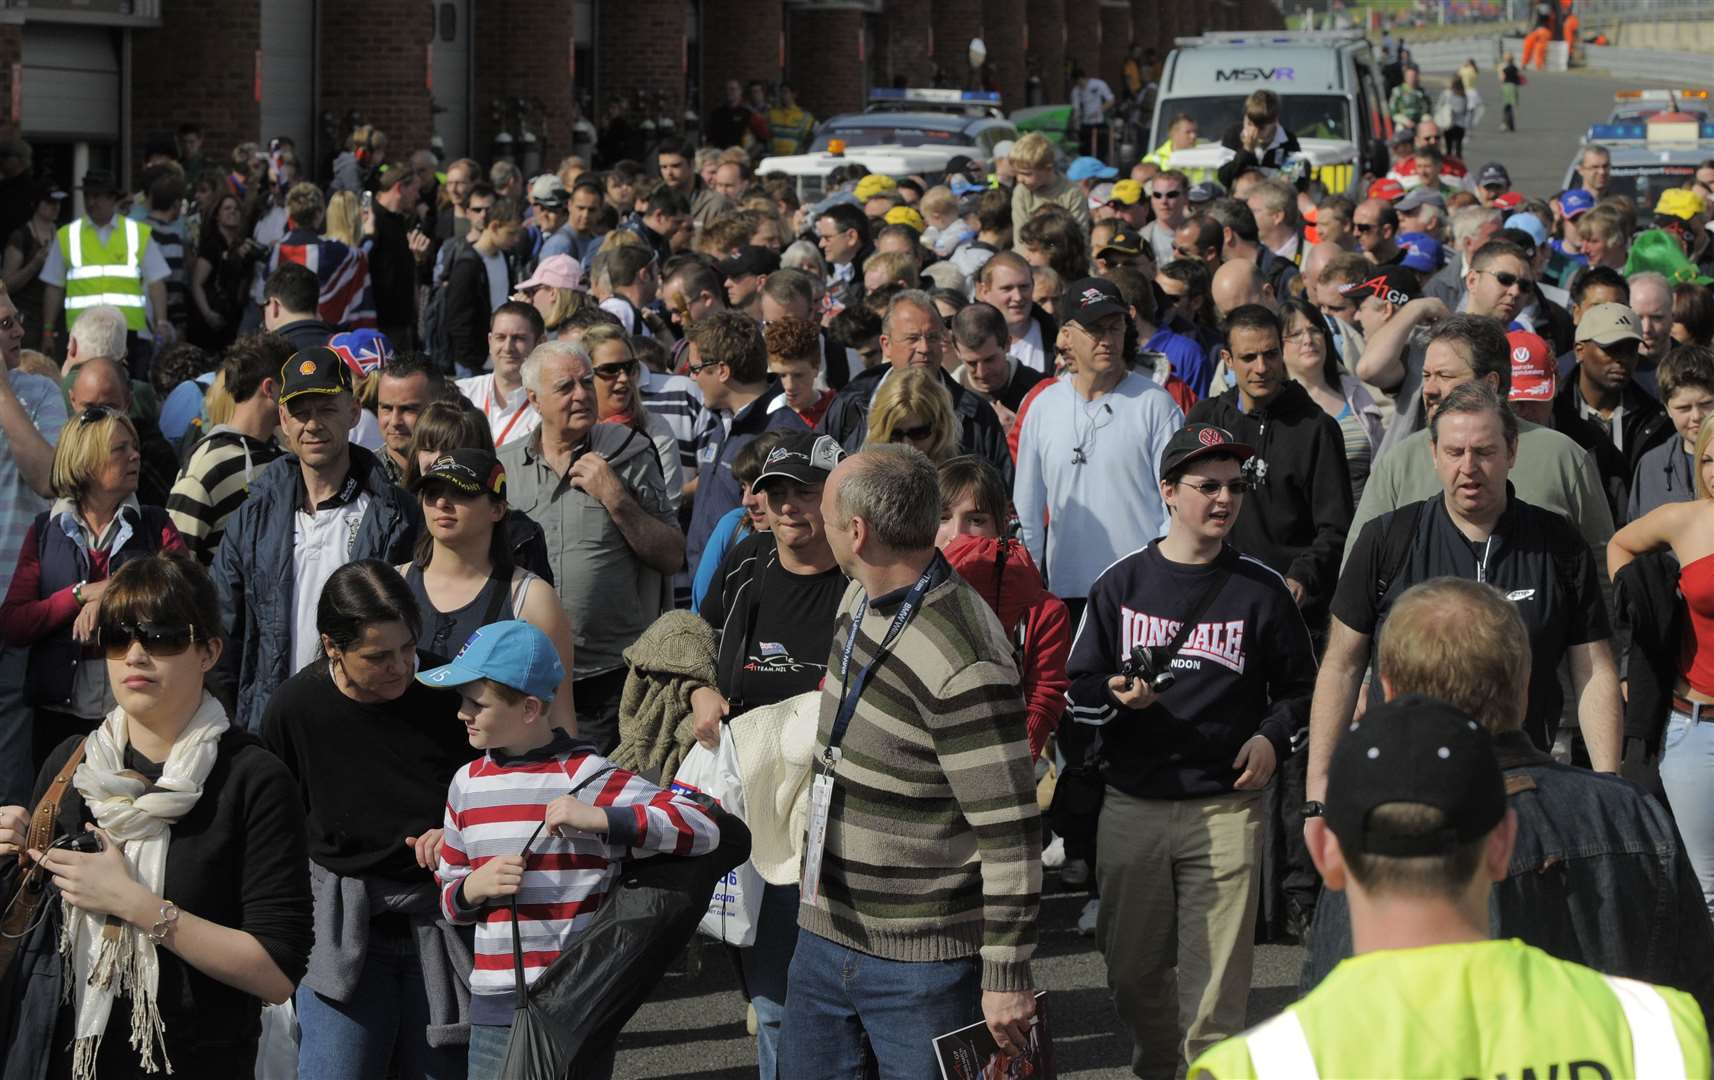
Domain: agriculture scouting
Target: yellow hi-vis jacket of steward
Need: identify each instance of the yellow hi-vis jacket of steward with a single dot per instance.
(1487, 1009)
(105, 273)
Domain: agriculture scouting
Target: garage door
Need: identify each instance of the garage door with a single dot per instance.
(288, 73)
(450, 57)
(71, 81)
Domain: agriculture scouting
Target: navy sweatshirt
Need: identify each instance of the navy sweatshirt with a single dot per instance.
(1246, 668)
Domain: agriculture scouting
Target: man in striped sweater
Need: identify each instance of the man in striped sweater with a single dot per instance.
(216, 480)
(919, 916)
(533, 777)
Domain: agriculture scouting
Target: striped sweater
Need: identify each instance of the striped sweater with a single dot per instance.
(492, 807)
(214, 483)
(933, 840)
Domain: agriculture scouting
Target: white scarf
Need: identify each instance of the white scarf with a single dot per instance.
(109, 957)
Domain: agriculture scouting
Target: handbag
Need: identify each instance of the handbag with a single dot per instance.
(32, 886)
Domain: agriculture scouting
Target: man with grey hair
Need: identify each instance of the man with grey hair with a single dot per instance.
(913, 335)
(921, 697)
(99, 332)
(1478, 527)
(1472, 227)
(101, 382)
(1651, 299)
(1273, 202)
(612, 535)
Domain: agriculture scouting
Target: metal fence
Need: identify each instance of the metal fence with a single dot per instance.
(1592, 11)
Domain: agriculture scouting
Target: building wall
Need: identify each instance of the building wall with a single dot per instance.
(374, 58)
(641, 47)
(11, 52)
(1115, 40)
(1045, 55)
(199, 66)
(905, 38)
(544, 75)
(955, 23)
(826, 65)
(1005, 26)
(740, 40)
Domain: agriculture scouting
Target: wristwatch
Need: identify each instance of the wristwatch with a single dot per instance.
(1313, 808)
(77, 592)
(165, 924)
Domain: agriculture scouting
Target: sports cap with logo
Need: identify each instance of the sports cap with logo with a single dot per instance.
(752, 259)
(317, 370)
(1090, 300)
(1125, 242)
(1609, 324)
(1193, 442)
(801, 457)
(365, 351)
(1493, 174)
(1535, 373)
(1387, 188)
(1576, 202)
(1394, 284)
(1422, 252)
(1413, 750)
(471, 470)
(511, 652)
(549, 191)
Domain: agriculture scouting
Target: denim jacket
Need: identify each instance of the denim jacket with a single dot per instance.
(1598, 877)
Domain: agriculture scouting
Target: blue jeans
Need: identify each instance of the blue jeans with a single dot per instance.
(837, 995)
(1687, 774)
(385, 1020)
(767, 964)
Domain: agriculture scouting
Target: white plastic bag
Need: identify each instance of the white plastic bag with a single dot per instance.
(277, 1052)
(737, 899)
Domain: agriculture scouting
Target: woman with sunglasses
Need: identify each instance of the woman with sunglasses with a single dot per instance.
(198, 889)
(912, 407)
(1310, 362)
(462, 574)
(53, 604)
(372, 751)
(619, 399)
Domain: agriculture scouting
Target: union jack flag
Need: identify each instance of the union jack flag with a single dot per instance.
(347, 295)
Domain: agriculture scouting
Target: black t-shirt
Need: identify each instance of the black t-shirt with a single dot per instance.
(776, 647)
(727, 125)
(370, 775)
(1535, 556)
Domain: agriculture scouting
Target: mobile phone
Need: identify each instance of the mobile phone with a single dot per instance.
(368, 201)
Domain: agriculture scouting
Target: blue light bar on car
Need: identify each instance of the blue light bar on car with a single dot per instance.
(1617, 132)
(936, 96)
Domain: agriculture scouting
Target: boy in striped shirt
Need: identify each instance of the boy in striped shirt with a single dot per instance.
(591, 813)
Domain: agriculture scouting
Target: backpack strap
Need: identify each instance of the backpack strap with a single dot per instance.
(1395, 549)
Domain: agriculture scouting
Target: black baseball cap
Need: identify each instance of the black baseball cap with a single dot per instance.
(471, 470)
(1125, 241)
(317, 370)
(1092, 299)
(751, 259)
(1193, 442)
(1493, 174)
(1414, 749)
(967, 167)
(803, 457)
(101, 182)
(1394, 284)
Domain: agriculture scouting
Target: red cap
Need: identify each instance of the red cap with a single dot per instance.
(1387, 188)
(1534, 371)
(1511, 200)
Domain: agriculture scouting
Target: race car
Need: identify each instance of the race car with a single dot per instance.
(1648, 157)
(898, 143)
(1642, 104)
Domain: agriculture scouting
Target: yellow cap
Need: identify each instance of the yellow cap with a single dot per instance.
(906, 215)
(1680, 203)
(875, 184)
(1128, 192)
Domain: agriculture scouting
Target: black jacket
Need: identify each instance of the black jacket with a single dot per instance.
(305, 333)
(1645, 594)
(847, 418)
(1643, 423)
(1296, 518)
(1271, 158)
(393, 272)
(468, 308)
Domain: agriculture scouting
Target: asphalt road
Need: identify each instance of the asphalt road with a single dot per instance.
(694, 1024)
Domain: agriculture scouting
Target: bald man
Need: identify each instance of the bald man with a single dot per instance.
(1314, 260)
(102, 383)
(1237, 283)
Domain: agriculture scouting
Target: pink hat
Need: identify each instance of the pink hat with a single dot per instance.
(558, 271)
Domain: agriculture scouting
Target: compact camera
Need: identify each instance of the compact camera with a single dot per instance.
(1149, 665)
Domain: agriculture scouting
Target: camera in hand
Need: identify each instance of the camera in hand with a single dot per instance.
(87, 842)
(1149, 665)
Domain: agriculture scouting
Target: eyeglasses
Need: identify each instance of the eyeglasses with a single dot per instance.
(698, 369)
(609, 372)
(472, 208)
(157, 640)
(1211, 488)
(913, 434)
(12, 322)
(1305, 336)
(1507, 279)
(928, 341)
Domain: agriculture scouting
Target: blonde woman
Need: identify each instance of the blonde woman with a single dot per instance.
(345, 219)
(53, 605)
(912, 407)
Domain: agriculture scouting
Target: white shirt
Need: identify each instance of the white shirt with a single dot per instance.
(321, 544)
(1028, 349)
(622, 309)
(1088, 100)
(508, 420)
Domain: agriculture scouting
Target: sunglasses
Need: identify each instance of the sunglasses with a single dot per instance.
(157, 640)
(1507, 279)
(1363, 228)
(94, 413)
(913, 434)
(1166, 195)
(609, 372)
(1211, 488)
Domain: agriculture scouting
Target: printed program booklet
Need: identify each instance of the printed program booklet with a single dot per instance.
(970, 1053)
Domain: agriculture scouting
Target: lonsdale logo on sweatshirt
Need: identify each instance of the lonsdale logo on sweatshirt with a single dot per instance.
(1221, 642)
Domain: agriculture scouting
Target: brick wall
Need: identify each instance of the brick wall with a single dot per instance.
(1082, 47)
(1005, 25)
(955, 23)
(904, 38)
(541, 73)
(641, 47)
(199, 66)
(1046, 53)
(825, 65)
(1115, 39)
(11, 52)
(740, 40)
(374, 58)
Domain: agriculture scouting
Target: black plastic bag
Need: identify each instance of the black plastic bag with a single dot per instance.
(568, 1021)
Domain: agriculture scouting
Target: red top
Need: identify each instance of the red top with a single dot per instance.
(1696, 661)
(27, 617)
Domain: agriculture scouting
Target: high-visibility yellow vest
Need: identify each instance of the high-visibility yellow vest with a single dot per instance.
(1487, 1009)
(105, 273)
(1162, 156)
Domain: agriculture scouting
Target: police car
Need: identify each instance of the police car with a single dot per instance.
(1642, 104)
(892, 139)
(1649, 156)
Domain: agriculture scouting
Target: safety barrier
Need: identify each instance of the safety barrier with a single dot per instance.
(1449, 54)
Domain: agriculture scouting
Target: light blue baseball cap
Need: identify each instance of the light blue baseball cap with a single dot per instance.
(512, 653)
(1529, 223)
(1090, 168)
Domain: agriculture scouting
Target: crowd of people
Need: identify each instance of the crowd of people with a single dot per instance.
(378, 544)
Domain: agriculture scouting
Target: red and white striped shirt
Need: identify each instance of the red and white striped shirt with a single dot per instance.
(492, 807)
